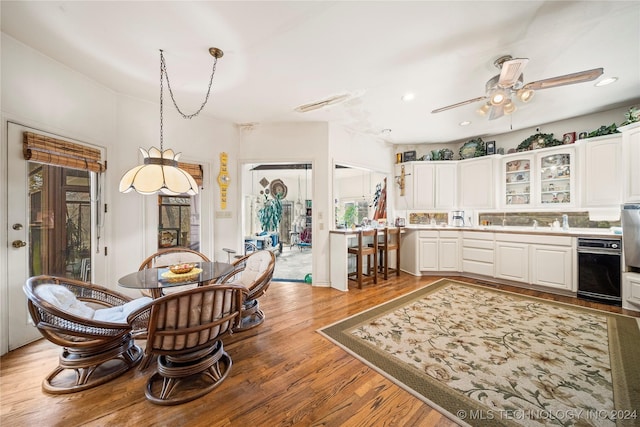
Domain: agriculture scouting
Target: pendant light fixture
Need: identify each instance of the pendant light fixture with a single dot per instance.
(160, 171)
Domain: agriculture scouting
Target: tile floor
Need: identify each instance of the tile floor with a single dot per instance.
(292, 264)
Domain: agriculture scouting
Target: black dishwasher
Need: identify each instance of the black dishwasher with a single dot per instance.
(600, 269)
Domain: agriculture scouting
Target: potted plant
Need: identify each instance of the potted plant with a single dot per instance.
(350, 215)
(271, 213)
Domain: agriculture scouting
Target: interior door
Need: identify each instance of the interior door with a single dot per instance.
(50, 221)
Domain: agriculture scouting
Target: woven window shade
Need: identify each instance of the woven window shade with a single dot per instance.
(53, 151)
(194, 170)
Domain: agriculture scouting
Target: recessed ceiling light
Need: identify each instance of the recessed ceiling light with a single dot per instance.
(606, 81)
(408, 97)
(465, 123)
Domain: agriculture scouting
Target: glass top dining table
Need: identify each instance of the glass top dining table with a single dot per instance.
(157, 278)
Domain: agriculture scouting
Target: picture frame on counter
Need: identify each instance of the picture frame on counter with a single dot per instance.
(409, 156)
(569, 138)
(491, 147)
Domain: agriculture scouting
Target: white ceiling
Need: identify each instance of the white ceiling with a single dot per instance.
(279, 55)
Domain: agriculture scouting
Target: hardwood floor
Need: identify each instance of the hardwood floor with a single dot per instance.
(283, 374)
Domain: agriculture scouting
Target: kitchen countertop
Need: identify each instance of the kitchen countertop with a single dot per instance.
(357, 229)
(547, 231)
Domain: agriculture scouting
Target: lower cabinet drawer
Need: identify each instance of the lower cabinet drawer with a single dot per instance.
(477, 254)
(475, 267)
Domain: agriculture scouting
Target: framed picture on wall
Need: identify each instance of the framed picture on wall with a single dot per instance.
(491, 147)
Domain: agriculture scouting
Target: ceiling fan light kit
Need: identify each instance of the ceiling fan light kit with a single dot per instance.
(525, 95)
(500, 89)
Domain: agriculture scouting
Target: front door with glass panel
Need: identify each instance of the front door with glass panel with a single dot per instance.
(50, 227)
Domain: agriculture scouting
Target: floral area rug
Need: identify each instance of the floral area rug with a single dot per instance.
(486, 357)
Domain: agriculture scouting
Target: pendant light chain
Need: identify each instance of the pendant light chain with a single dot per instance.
(163, 69)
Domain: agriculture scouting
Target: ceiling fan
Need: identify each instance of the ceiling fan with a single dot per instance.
(500, 89)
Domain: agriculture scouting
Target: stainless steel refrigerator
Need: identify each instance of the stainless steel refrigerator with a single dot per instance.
(631, 234)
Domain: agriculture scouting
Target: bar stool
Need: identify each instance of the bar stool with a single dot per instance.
(370, 251)
(390, 243)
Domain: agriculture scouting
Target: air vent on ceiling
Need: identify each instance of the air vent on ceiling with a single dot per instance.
(324, 103)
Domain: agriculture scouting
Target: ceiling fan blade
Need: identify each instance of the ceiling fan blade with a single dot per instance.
(510, 71)
(567, 79)
(497, 111)
(459, 104)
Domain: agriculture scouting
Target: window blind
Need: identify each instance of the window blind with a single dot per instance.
(194, 170)
(53, 151)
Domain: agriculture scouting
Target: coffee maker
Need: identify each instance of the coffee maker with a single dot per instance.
(457, 218)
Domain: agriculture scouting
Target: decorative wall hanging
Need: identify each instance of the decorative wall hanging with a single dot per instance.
(473, 148)
(278, 188)
(223, 180)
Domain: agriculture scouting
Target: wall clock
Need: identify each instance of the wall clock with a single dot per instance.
(223, 180)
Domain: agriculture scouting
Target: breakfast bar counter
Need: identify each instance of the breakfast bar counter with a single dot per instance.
(339, 242)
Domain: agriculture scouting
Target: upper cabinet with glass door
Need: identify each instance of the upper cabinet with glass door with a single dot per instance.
(517, 181)
(556, 175)
(542, 178)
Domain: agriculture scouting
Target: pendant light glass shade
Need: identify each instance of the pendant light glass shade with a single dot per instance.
(159, 173)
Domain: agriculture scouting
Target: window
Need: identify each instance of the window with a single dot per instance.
(179, 222)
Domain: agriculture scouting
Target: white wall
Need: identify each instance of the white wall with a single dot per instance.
(365, 152)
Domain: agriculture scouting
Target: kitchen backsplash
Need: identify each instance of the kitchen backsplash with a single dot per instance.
(545, 219)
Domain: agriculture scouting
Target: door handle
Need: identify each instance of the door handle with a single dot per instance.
(18, 244)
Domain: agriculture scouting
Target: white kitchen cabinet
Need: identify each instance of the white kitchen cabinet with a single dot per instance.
(428, 250)
(404, 198)
(551, 266)
(449, 251)
(446, 185)
(512, 261)
(476, 183)
(602, 171)
(424, 185)
(631, 291)
(438, 251)
(517, 180)
(631, 156)
(555, 177)
(477, 253)
(542, 178)
(433, 185)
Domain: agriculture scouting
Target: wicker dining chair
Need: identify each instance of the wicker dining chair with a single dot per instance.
(253, 271)
(90, 323)
(184, 331)
(172, 256)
